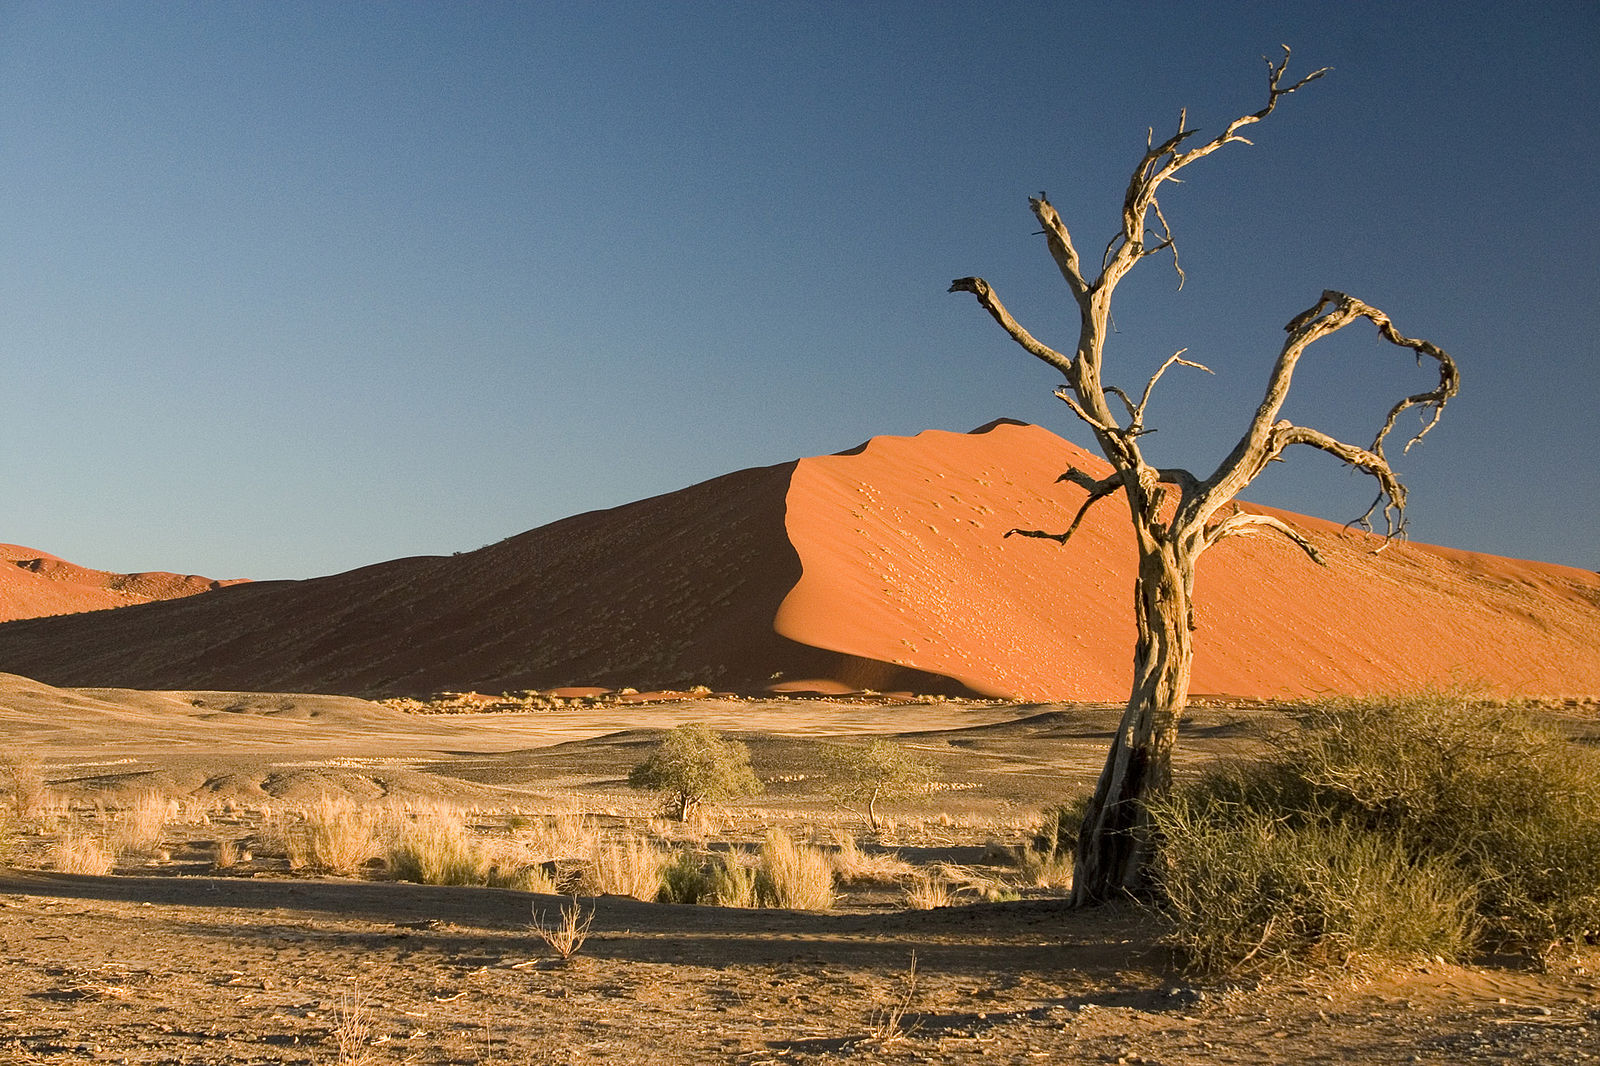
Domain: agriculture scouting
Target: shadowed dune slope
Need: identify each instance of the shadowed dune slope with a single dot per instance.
(884, 567)
(34, 584)
(670, 591)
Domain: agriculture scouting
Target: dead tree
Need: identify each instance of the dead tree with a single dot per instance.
(1176, 515)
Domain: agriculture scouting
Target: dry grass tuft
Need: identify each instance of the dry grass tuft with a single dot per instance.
(1044, 869)
(434, 850)
(858, 867)
(229, 854)
(888, 1025)
(732, 883)
(568, 837)
(797, 876)
(335, 836)
(438, 849)
(141, 826)
(23, 778)
(928, 891)
(77, 852)
(352, 1029)
(625, 866)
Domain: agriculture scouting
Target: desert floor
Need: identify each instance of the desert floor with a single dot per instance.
(174, 959)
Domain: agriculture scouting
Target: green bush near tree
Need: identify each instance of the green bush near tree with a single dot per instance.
(1386, 828)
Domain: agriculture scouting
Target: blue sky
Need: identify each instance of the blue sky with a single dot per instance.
(293, 288)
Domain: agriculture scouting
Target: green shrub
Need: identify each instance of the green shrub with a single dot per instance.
(685, 878)
(1407, 805)
(693, 764)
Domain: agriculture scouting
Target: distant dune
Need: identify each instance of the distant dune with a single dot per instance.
(884, 567)
(34, 584)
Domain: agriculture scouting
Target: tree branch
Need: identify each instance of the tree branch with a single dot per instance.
(1144, 400)
(1161, 164)
(1061, 247)
(991, 303)
(1111, 429)
(1449, 384)
(1243, 524)
(1098, 490)
(1084, 480)
(1391, 493)
(1266, 438)
(1275, 90)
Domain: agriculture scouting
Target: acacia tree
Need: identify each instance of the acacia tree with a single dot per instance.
(882, 770)
(1177, 515)
(694, 764)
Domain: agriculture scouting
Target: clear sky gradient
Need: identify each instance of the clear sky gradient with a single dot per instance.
(292, 288)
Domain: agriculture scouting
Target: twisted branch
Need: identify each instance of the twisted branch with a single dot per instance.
(1266, 437)
(1241, 523)
(1098, 490)
(1161, 164)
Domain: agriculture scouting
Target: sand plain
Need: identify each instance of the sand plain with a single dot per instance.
(174, 960)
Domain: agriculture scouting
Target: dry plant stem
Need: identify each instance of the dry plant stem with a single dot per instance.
(1174, 513)
(352, 1030)
(888, 1024)
(566, 936)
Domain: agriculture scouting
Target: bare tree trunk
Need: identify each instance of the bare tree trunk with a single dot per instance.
(1113, 843)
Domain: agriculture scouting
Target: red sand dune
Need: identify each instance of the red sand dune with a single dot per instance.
(34, 584)
(905, 561)
(884, 567)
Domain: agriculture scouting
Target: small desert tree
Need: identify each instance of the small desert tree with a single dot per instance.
(861, 776)
(1176, 514)
(694, 764)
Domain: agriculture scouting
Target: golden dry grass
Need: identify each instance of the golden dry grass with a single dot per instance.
(77, 851)
(797, 876)
(335, 836)
(624, 866)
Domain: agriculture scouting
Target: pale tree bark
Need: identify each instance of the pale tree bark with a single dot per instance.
(1176, 516)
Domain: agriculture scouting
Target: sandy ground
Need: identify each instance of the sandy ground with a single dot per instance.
(174, 963)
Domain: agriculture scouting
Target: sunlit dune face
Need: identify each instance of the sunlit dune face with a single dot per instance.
(905, 560)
